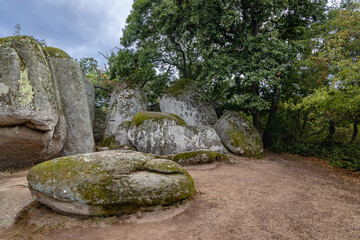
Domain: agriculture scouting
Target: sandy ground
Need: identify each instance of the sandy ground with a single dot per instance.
(277, 197)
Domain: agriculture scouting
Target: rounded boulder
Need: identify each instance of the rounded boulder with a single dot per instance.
(109, 183)
(239, 135)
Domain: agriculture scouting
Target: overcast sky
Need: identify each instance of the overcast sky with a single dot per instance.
(79, 27)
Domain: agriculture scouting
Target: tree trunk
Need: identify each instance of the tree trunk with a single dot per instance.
(267, 138)
(332, 128)
(257, 121)
(355, 131)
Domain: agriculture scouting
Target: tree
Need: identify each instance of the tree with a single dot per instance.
(164, 27)
(338, 63)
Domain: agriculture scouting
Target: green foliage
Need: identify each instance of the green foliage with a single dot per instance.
(139, 67)
(338, 154)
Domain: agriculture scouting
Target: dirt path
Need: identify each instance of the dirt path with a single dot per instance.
(277, 197)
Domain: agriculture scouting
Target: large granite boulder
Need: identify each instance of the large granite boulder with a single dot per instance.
(182, 99)
(109, 183)
(32, 123)
(66, 71)
(126, 100)
(90, 92)
(239, 135)
(163, 133)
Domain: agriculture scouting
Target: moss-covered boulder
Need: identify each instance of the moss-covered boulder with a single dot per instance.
(239, 135)
(163, 134)
(183, 100)
(72, 86)
(109, 183)
(32, 122)
(199, 157)
(126, 100)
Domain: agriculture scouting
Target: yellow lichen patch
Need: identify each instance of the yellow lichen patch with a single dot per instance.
(26, 93)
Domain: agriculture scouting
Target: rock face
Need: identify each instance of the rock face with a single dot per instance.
(163, 133)
(109, 183)
(126, 100)
(199, 157)
(32, 123)
(90, 92)
(182, 99)
(239, 135)
(79, 138)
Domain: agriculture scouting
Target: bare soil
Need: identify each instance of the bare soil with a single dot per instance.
(278, 197)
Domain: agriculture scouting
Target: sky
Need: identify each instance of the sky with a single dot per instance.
(82, 28)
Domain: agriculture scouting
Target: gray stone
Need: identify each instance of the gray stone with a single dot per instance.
(126, 100)
(109, 183)
(182, 99)
(163, 134)
(199, 157)
(239, 135)
(121, 134)
(90, 92)
(32, 123)
(79, 138)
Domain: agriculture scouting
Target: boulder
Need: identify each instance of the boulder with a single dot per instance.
(109, 183)
(239, 135)
(66, 71)
(126, 100)
(121, 134)
(90, 92)
(199, 157)
(32, 122)
(163, 134)
(182, 99)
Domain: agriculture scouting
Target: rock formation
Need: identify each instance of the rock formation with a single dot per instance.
(199, 157)
(32, 123)
(79, 137)
(182, 99)
(239, 135)
(163, 133)
(109, 183)
(126, 100)
(44, 108)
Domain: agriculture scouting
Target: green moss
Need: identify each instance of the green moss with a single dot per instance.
(239, 140)
(92, 181)
(163, 166)
(180, 86)
(139, 118)
(211, 155)
(56, 52)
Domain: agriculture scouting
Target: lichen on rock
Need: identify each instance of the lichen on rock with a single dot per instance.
(26, 92)
(126, 100)
(56, 52)
(239, 135)
(163, 134)
(199, 157)
(109, 183)
(183, 100)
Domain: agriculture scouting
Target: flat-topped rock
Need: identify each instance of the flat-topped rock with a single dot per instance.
(109, 183)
